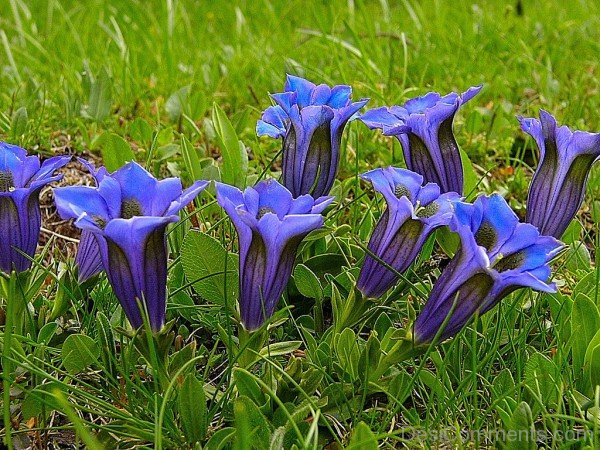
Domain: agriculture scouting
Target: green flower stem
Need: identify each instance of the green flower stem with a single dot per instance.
(404, 349)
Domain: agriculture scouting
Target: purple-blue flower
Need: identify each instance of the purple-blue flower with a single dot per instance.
(270, 224)
(423, 125)
(558, 186)
(127, 214)
(497, 256)
(310, 119)
(22, 178)
(413, 212)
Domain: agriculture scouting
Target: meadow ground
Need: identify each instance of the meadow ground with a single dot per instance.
(103, 78)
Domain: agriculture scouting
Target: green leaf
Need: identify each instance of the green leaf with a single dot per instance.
(542, 378)
(307, 282)
(40, 400)
(577, 257)
(46, 333)
(221, 439)
(348, 352)
(116, 151)
(99, 99)
(19, 123)
(521, 433)
(369, 357)
(191, 160)
(181, 357)
(592, 364)
(280, 348)
(79, 352)
(448, 240)
(585, 323)
(471, 180)
(177, 102)
(141, 131)
(363, 438)
(193, 413)
(252, 428)
(235, 158)
(248, 387)
(204, 260)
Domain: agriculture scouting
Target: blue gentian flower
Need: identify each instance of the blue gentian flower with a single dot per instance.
(497, 256)
(127, 213)
(423, 125)
(558, 186)
(413, 212)
(310, 119)
(270, 224)
(22, 178)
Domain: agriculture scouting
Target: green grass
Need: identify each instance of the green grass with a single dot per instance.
(72, 71)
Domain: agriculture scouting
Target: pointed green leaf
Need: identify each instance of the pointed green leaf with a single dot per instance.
(235, 158)
(193, 413)
(116, 151)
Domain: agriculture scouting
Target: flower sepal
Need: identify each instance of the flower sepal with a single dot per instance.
(349, 307)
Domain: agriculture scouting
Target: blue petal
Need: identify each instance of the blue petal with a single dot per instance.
(470, 93)
(285, 100)
(340, 96)
(137, 183)
(303, 89)
(98, 174)
(50, 165)
(88, 257)
(321, 203)
(419, 105)
(136, 264)
(272, 122)
(500, 216)
(320, 95)
(166, 192)
(387, 180)
(187, 196)
(380, 118)
(81, 202)
(294, 225)
(274, 197)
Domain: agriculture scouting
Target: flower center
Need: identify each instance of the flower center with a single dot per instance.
(264, 210)
(130, 208)
(401, 191)
(429, 210)
(486, 236)
(99, 221)
(510, 262)
(7, 183)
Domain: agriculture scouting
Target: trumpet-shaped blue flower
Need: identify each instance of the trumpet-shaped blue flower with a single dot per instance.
(498, 255)
(311, 120)
(270, 224)
(558, 186)
(22, 178)
(423, 125)
(127, 214)
(413, 212)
